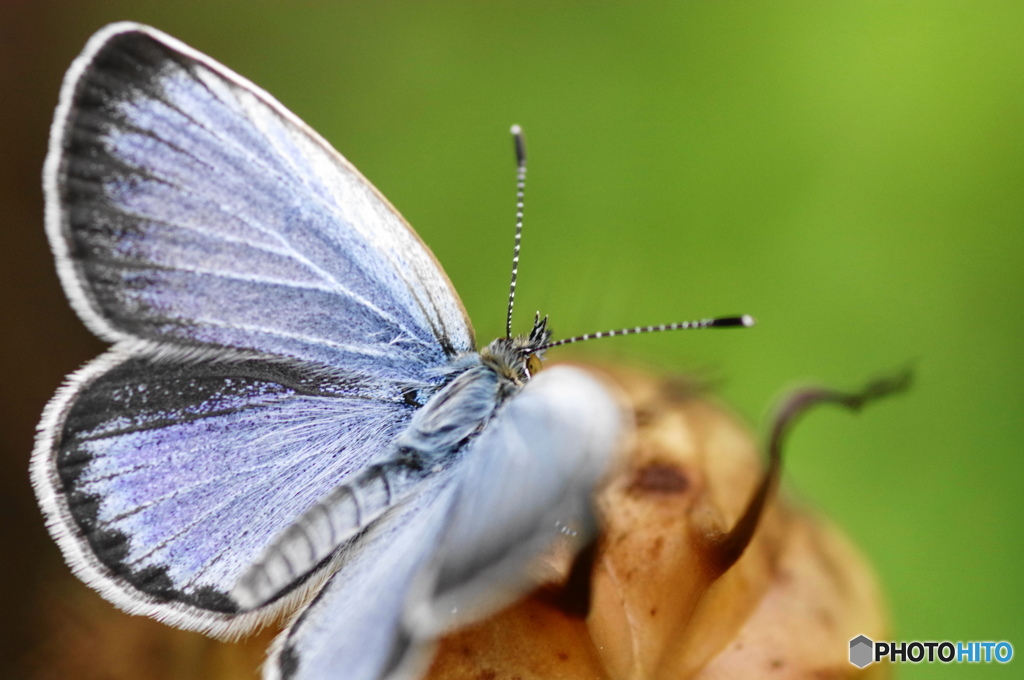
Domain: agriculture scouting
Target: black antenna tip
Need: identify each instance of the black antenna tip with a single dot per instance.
(742, 321)
(520, 142)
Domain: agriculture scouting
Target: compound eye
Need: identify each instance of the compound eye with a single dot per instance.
(533, 365)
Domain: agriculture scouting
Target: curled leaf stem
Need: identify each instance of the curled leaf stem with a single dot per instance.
(726, 548)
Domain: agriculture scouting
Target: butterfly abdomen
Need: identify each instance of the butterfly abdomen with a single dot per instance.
(329, 524)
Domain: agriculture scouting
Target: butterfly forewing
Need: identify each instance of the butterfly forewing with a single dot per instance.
(185, 205)
(525, 481)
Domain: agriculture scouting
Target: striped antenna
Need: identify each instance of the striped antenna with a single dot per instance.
(520, 144)
(743, 321)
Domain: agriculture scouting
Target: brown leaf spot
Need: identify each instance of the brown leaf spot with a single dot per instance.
(679, 389)
(654, 551)
(826, 618)
(659, 478)
(645, 416)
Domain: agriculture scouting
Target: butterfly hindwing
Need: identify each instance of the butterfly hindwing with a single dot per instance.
(164, 478)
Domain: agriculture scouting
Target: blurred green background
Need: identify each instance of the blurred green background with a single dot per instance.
(850, 173)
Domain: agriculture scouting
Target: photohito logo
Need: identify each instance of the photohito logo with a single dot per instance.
(864, 651)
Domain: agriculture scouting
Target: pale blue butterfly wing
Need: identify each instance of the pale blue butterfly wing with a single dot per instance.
(464, 549)
(272, 297)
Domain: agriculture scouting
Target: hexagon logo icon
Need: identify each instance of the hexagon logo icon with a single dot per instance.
(861, 648)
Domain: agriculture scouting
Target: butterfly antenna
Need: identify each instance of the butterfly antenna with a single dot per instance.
(520, 144)
(742, 321)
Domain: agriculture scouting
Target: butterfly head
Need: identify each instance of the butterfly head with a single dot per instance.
(518, 358)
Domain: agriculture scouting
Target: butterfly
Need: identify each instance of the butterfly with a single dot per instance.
(293, 409)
